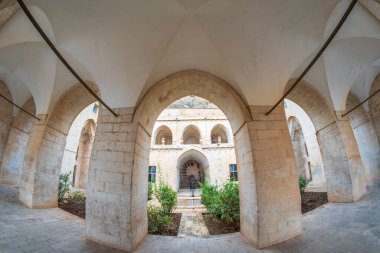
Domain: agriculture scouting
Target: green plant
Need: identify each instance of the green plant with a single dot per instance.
(167, 196)
(303, 184)
(209, 192)
(158, 220)
(78, 197)
(150, 190)
(222, 204)
(64, 184)
(230, 202)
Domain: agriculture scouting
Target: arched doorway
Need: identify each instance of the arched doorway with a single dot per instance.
(192, 164)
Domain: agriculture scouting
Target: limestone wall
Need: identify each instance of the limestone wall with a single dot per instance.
(218, 156)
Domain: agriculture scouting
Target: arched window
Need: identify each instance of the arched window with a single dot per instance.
(191, 135)
(164, 136)
(219, 134)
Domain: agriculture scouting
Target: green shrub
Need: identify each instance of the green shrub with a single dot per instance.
(209, 192)
(150, 190)
(158, 220)
(303, 184)
(222, 204)
(229, 198)
(167, 196)
(78, 197)
(64, 184)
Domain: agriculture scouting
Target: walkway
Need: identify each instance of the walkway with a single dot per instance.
(331, 228)
(192, 224)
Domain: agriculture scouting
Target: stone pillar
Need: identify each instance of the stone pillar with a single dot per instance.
(278, 198)
(118, 182)
(344, 170)
(41, 167)
(13, 158)
(83, 157)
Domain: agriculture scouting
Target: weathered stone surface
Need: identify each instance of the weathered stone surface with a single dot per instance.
(343, 167)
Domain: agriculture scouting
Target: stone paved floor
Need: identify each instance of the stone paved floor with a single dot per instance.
(192, 224)
(332, 228)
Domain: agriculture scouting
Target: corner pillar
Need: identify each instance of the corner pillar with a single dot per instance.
(278, 197)
(117, 185)
(344, 169)
(41, 167)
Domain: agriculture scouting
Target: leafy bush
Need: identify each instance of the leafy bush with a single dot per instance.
(150, 190)
(230, 202)
(158, 220)
(222, 204)
(167, 196)
(209, 192)
(78, 197)
(303, 184)
(64, 184)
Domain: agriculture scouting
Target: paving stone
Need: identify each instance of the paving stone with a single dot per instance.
(351, 227)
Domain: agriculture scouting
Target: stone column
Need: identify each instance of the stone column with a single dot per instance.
(273, 174)
(344, 170)
(16, 144)
(41, 167)
(118, 182)
(14, 156)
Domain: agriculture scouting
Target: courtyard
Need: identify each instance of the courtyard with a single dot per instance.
(190, 126)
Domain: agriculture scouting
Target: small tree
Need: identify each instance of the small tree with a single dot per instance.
(303, 184)
(64, 184)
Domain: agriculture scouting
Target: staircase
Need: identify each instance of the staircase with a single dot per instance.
(187, 203)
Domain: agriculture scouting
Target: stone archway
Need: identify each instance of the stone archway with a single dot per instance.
(45, 148)
(268, 182)
(191, 135)
(219, 134)
(164, 136)
(86, 141)
(341, 158)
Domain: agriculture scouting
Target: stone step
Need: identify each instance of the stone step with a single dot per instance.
(188, 201)
(185, 209)
(188, 193)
